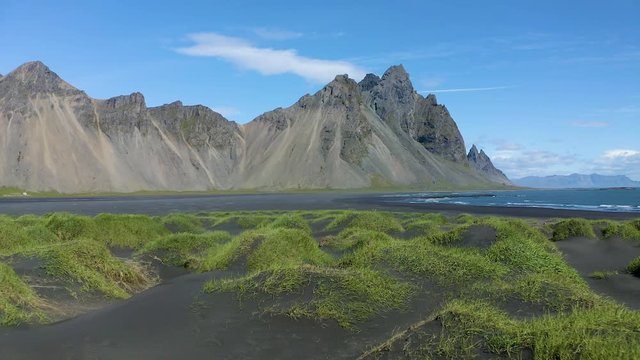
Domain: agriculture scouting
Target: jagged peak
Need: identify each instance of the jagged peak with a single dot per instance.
(369, 82)
(344, 78)
(473, 150)
(431, 99)
(340, 85)
(176, 103)
(476, 154)
(396, 76)
(135, 98)
(396, 71)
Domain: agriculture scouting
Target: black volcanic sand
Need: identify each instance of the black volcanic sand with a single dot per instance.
(589, 255)
(478, 236)
(176, 321)
(161, 205)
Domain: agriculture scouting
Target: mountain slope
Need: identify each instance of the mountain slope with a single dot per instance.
(576, 181)
(347, 135)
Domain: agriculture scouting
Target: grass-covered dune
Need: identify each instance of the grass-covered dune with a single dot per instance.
(399, 285)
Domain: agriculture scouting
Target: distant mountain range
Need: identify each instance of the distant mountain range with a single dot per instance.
(576, 181)
(376, 132)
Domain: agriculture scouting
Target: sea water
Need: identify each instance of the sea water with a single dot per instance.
(616, 200)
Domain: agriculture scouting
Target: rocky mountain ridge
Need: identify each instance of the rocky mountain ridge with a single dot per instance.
(378, 132)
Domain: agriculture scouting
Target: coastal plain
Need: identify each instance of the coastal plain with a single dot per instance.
(317, 277)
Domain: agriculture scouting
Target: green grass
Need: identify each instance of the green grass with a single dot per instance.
(634, 267)
(425, 224)
(354, 238)
(538, 273)
(370, 220)
(606, 332)
(179, 223)
(629, 230)
(291, 221)
(569, 228)
(185, 249)
(128, 231)
(69, 227)
(18, 302)
(90, 265)
(601, 275)
(362, 272)
(268, 248)
(348, 296)
(20, 235)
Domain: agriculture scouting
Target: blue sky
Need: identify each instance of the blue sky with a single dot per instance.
(545, 87)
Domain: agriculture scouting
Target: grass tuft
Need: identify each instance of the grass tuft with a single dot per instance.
(634, 267)
(128, 231)
(370, 220)
(348, 296)
(569, 228)
(18, 302)
(601, 275)
(91, 265)
(183, 223)
(185, 249)
(70, 227)
(604, 332)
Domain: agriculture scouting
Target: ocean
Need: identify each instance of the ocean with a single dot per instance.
(614, 200)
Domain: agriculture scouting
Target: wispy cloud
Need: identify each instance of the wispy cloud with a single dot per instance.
(432, 82)
(621, 154)
(468, 89)
(589, 124)
(268, 61)
(276, 34)
(226, 111)
(629, 109)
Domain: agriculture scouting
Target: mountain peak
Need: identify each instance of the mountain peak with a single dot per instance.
(431, 99)
(37, 77)
(482, 163)
(34, 69)
(341, 86)
(135, 100)
(396, 70)
(369, 82)
(473, 151)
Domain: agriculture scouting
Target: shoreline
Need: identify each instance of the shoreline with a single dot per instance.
(164, 204)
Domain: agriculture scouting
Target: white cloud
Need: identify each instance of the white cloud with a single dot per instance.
(268, 61)
(276, 34)
(468, 89)
(517, 161)
(619, 162)
(509, 147)
(589, 124)
(621, 153)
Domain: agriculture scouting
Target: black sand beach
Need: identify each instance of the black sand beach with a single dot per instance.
(159, 205)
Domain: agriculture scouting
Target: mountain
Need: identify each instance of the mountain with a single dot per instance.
(481, 162)
(379, 131)
(576, 181)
